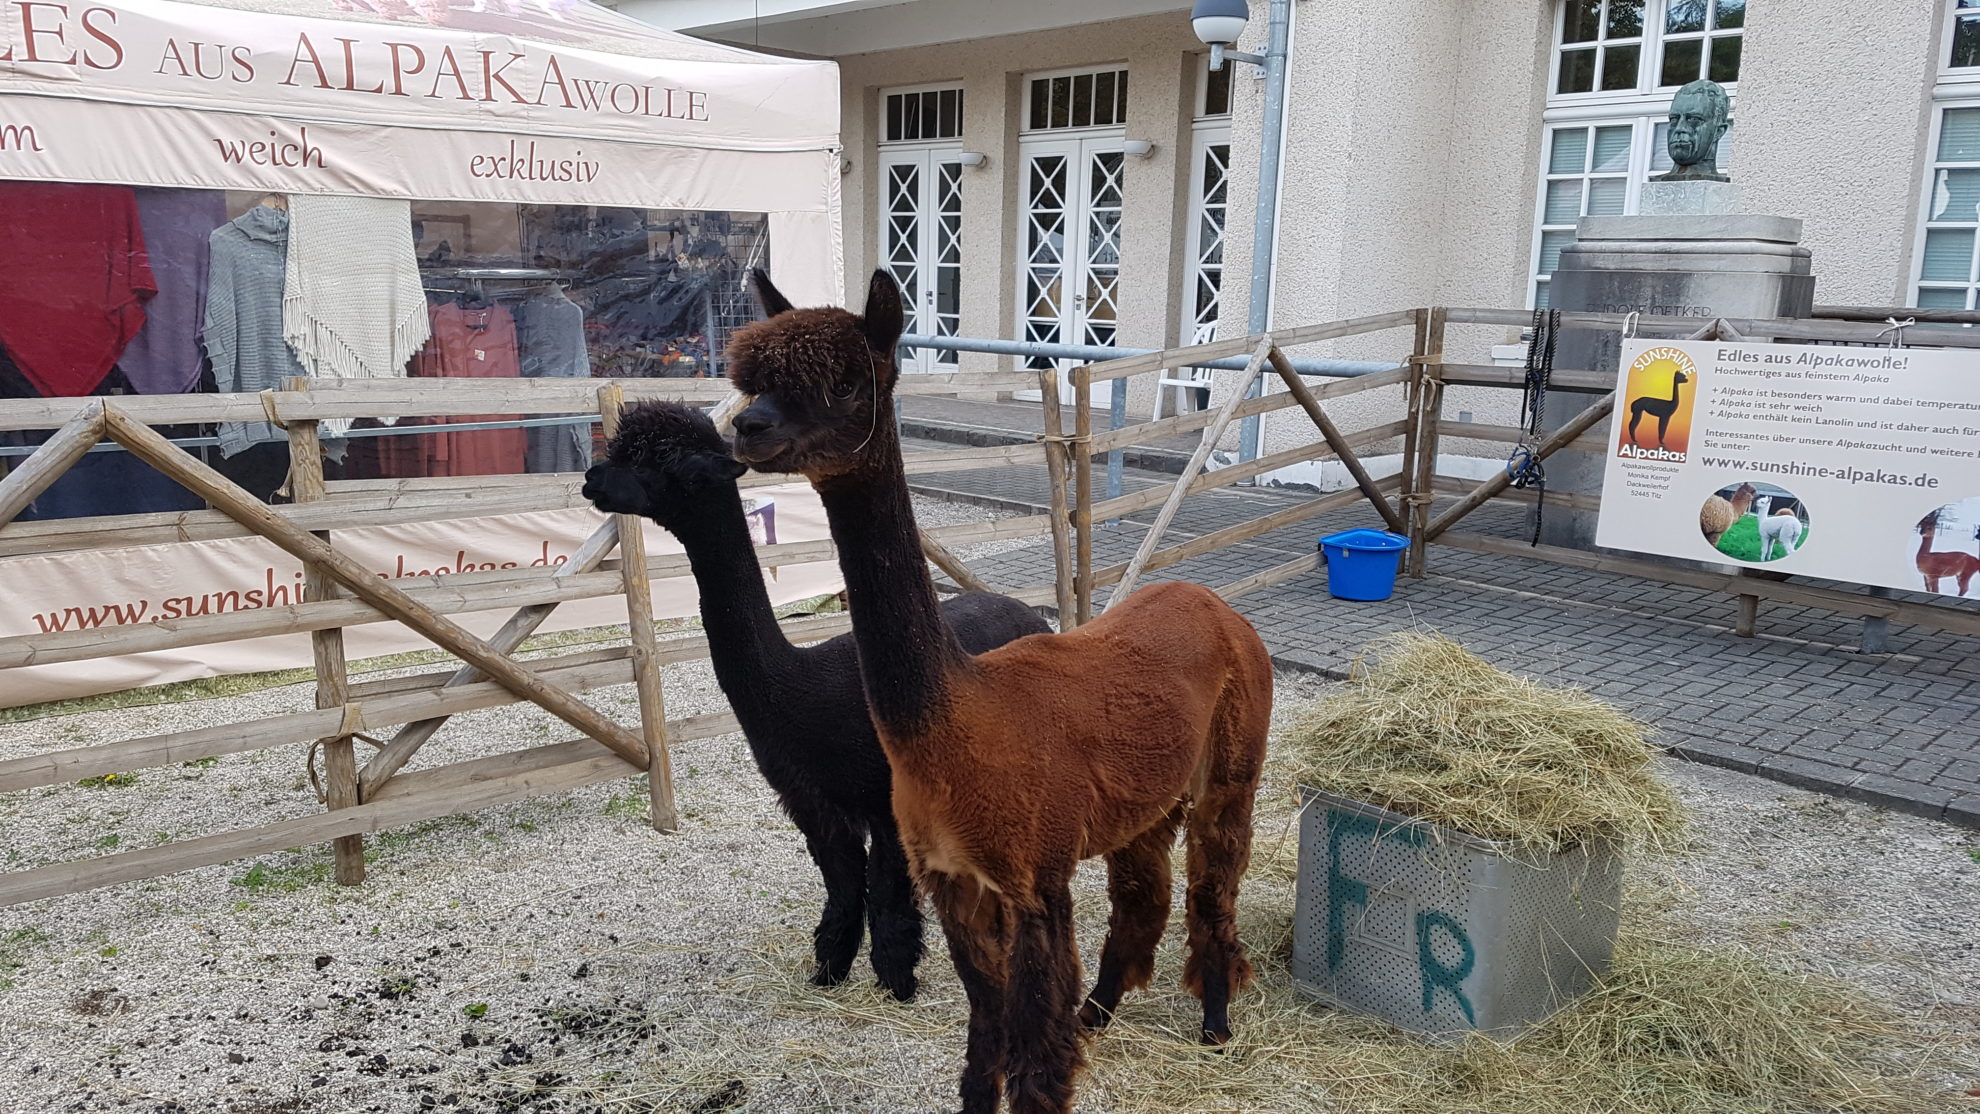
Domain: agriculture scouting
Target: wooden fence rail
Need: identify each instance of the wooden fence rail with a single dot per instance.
(339, 594)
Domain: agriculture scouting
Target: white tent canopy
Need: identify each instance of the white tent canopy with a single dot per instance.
(530, 101)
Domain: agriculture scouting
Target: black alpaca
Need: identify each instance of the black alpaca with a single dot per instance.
(1659, 408)
(801, 708)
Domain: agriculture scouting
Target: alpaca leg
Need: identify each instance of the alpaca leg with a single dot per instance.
(1138, 888)
(1663, 426)
(1635, 415)
(1041, 1026)
(975, 925)
(893, 913)
(1219, 851)
(840, 853)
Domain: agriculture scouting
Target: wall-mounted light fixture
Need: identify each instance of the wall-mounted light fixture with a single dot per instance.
(1218, 23)
(845, 167)
(1137, 148)
(972, 158)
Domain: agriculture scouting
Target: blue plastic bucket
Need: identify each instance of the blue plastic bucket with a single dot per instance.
(1362, 564)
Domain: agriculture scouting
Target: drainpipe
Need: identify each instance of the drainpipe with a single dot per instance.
(1265, 220)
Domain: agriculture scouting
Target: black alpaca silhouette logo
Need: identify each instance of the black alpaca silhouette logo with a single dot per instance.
(1659, 408)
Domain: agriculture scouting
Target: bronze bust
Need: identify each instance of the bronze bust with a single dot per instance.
(1700, 114)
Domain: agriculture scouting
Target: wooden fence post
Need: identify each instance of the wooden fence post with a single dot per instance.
(1082, 377)
(645, 648)
(340, 774)
(1430, 404)
(1055, 472)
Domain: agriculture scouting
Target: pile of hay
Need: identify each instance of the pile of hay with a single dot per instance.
(1428, 729)
(1672, 1029)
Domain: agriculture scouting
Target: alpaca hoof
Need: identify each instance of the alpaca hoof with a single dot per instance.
(902, 986)
(825, 977)
(1215, 1039)
(1092, 1018)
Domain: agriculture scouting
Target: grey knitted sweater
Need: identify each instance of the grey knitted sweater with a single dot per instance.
(243, 328)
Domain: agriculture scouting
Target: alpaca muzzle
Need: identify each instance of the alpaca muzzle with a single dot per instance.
(760, 434)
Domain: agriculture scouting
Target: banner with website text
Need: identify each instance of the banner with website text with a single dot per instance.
(124, 590)
(1853, 464)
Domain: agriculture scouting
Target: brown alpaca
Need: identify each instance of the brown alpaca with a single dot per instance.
(1012, 766)
(1936, 565)
(1717, 515)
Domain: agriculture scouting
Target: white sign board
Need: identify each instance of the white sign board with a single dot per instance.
(1851, 464)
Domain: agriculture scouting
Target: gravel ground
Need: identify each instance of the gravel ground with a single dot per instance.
(559, 955)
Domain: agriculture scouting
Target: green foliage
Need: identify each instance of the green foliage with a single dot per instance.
(630, 805)
(475, 1010)
(109, 781)
(1741, 541)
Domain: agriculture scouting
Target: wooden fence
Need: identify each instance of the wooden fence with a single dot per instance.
(364, 797)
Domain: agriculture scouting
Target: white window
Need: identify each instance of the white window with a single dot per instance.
(1944, 259)
(1963, 37)
(1617, 63)
(1209, 200)
(920, 115)
(921, 212)
(1093, 98)
(1615, 48)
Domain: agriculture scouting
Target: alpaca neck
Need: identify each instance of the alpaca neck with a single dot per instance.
(745, 644)
(1925, 543)
(906, 650)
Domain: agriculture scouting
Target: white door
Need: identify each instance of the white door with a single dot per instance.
(921, 244)
(1069, 277)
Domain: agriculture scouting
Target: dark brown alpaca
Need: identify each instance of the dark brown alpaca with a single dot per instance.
(1013, 765)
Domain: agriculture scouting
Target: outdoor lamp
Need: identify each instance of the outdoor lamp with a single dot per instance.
(1218, 24)
(970, 158)
(1137, 148)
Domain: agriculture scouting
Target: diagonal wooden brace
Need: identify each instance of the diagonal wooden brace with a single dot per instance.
(197, 477)
(949, 563)
(1335, 441)
(1501, 479)
(1190, 471)
(48, 462)
(520, 626)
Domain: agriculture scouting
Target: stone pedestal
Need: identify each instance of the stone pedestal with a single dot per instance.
(1660, 199)
(1701, 265)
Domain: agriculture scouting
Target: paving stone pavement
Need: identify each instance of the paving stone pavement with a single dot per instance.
(1797, 704)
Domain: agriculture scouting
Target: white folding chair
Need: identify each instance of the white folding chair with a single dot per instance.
(1186, 379)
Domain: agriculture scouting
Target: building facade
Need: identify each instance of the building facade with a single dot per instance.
(1057, 171)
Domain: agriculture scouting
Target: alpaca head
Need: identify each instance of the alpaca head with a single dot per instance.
(1678, 379)
(820, 382)
(665, 458)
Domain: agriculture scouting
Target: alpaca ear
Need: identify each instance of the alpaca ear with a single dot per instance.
(768, 297)
(884, 319)
(708, 468)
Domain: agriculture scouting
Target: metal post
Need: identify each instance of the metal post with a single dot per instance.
(1116, 419)
(1265, 219)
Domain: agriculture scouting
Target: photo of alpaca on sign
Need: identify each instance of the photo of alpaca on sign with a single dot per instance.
(1945, 553)
(1754, 522)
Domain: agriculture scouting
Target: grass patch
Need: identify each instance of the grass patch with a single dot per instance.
(1741, 541)
(15, 944)
(109, 781)
(631, 805)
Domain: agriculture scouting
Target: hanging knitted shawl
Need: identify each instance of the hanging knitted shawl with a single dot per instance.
(352, 307)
